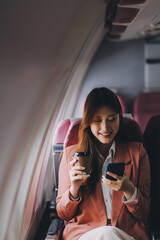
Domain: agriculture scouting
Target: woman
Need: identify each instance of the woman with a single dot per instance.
(100, 208)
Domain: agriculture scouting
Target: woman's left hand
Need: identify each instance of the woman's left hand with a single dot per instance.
(122, 184)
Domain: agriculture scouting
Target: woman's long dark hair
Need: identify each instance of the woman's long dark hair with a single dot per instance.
(97, 98)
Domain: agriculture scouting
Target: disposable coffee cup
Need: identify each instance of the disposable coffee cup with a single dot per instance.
(84, 159)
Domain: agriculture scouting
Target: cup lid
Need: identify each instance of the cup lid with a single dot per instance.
(82, 154)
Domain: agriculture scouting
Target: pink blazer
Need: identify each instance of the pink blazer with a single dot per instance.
(90, 212)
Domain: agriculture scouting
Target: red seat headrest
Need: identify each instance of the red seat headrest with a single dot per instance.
(146, 105)
(72, 134)
(61, 131)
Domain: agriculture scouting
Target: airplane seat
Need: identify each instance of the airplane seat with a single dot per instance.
(60, 141)
(152, 144)
(57, 146)
(132, 132)
(146, 105)
(122, 102)
(72, 134)
(61, 131)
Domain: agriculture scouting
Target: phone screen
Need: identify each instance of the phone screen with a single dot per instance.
(116, 168)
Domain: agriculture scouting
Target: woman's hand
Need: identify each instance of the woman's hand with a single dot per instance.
(122, 184)
(77, 176)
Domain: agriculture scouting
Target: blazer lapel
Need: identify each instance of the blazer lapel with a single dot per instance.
(121, 155)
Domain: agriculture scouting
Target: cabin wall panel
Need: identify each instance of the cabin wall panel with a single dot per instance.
(152, 76)
(41, 59)
(152, 66)
(152, 51)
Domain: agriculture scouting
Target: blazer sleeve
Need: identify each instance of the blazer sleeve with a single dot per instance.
(66, 208)
(140, 208)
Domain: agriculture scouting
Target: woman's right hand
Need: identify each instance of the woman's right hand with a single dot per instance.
(77, 176)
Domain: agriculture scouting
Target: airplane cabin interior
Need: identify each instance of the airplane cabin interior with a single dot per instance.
(53, 53)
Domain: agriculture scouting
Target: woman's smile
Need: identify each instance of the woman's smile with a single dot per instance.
(105, 135)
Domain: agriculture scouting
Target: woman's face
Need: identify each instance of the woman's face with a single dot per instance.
(105, 125)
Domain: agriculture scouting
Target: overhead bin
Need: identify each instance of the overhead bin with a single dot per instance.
(125, 15)
(131, 2)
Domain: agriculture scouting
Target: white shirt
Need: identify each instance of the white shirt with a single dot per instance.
(107, 192)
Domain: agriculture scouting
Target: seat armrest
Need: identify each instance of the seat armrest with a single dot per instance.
(55, 230)
(155, 229)
(52, 206)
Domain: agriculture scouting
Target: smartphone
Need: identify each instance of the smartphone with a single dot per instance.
(117, 168)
